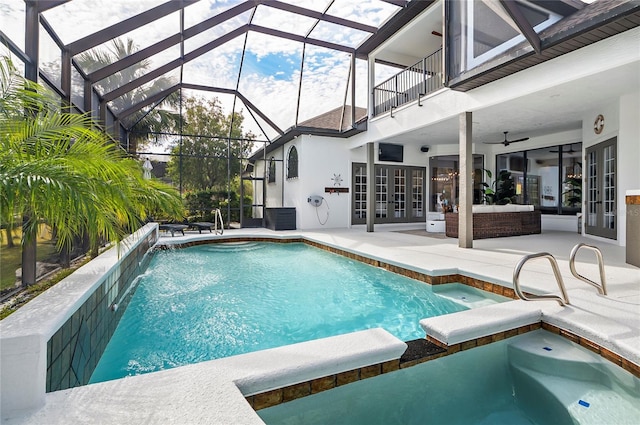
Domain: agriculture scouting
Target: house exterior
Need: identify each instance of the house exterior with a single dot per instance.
(548, 91)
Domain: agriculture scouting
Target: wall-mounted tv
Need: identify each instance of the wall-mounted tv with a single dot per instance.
(390, 152)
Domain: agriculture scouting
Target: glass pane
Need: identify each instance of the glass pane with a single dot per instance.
(203, 10)
(136, 71)
(572, 178)
(77, 88)
(292, 163)
(544, 171)
(224, 74)
(12, 21)
(400, 195)
(144, 91)
(99, 13)
(50, 57)
(216, 32)
(53, 93)
(272, 170)
(360, 192)
(592, 187)
(445, 182)
(478, 177)
(370, 13)
(489, 27)
(339, 34)
(481, 30)
(417, 193)
(514, 164)
(17, 63)
(609, 188)
(95, 105)
(381, 192)
(444, 186)
(293, 23)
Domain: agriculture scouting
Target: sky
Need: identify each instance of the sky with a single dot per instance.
(271, 68)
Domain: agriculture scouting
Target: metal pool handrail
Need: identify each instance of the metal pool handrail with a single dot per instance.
(564, 300)
(217, 217)
(602, 286)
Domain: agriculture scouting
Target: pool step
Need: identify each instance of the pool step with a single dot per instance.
(553, 355)
(467, 296)
(562, 382)
(234, 247)
(583, 402)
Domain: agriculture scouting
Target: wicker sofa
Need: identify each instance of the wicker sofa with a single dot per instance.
(497, 221)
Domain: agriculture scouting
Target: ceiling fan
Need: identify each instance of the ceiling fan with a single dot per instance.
(508, 142)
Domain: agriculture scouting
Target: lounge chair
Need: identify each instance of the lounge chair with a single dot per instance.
(173, 228)
(202, 225)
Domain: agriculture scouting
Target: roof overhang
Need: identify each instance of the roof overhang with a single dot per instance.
(392, 26)
(298, 131)
(587, 26)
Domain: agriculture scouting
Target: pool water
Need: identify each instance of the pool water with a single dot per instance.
(213, 301)
(535, 379)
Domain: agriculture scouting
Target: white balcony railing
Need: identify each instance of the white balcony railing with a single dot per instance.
(410, 84)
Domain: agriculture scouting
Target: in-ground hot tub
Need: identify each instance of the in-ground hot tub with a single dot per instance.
(534, 378)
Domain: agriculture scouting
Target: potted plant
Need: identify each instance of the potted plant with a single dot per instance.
(502, 191)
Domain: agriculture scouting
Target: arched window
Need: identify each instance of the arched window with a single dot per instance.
(292, 163)
(271, 178)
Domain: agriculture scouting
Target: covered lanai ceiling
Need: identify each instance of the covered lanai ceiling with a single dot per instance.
(279, 61)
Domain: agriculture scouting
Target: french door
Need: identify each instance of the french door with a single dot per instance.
(399, 194)
(601, 202)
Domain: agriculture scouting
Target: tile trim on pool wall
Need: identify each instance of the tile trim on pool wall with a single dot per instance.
(302, 389)
(75, 349)
(394, 268)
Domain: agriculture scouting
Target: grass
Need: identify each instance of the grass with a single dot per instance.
(35, 290)
(11, 258)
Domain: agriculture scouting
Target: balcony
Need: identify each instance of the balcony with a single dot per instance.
(410, 84)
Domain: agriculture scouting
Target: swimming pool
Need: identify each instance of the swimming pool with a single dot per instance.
(212, 301)
(535, 378)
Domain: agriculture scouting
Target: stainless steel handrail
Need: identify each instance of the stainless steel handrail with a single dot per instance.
(217, 217)
(564, 300)
(602, 287)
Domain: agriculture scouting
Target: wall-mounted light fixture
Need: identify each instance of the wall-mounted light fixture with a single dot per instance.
(424, 148)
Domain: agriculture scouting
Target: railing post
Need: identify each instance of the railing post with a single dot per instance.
(395, 88)
(424, 75)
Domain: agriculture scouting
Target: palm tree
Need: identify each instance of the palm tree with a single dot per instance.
(57, 168)
(157, 120)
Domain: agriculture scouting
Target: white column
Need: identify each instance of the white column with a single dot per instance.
(371, 78)
(371, 186)
(465, 216)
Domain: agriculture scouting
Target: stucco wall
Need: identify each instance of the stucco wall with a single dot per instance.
(621, 121)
